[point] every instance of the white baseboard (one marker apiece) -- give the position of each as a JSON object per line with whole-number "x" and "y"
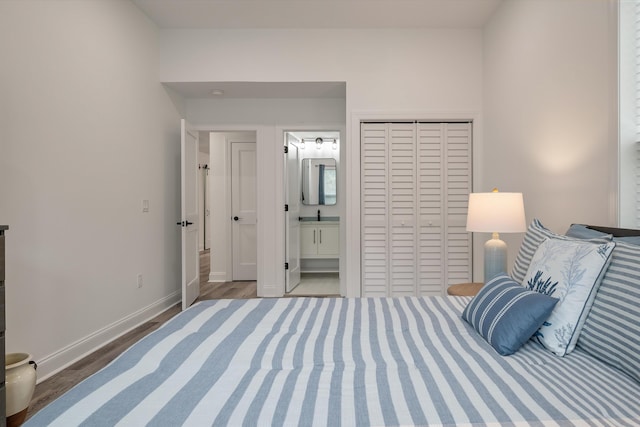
{"x": 218, "y": 276}
{"x": 271, "y": 291}
{"x": 55, "y": 362}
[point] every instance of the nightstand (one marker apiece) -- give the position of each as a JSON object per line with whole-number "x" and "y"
{"x": 464, "y": 289}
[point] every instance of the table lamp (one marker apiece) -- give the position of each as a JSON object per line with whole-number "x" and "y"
{"x": 495, "y": 213}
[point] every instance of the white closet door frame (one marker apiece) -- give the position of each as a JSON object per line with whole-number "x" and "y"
{"x": 409, "y": 266}
{"x": 353, "y": 239}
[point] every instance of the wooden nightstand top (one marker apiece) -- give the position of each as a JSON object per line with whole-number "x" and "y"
{"x": 464, "y": 289}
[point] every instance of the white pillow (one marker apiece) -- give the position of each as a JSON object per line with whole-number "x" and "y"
{"x": 570, "y": 271}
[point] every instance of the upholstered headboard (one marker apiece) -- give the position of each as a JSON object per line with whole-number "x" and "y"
{"x": 616, "y": 232}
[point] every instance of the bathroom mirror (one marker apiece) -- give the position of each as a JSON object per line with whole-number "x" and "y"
{"x": 319, "y": 181}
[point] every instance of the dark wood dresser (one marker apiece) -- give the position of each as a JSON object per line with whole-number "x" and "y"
{"x": 3, "y": 408}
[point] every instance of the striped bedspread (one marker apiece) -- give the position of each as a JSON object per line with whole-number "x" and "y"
{"x": 332, "y": 361}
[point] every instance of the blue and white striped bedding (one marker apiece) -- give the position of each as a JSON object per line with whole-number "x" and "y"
{"x": 332, "y": 361}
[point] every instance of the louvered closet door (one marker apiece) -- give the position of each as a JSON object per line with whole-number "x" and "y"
{"x": 444, "y": 177}
{"x": 458, "y": 245}
{"x": 431, "y": 228}
{"x": 416, "y": 180}
{"x": 374, "y": 204}
{"x": 402, "y": 196}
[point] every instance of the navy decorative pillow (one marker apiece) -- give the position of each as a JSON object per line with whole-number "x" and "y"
{"x": 506, "y": 314}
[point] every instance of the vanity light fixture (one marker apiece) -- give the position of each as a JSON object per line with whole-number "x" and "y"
{"x": 319, "y": 141}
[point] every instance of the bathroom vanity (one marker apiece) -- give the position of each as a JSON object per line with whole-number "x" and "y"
{"x": 319, "y": 236}
{"x": 319, "y": 245}
{"x": 320, "y": 239}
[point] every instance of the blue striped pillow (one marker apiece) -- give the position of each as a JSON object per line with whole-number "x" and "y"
{"x": 611, "y": 331}
{"x": 536, "y": 233}
{"x": 506, "y": 314}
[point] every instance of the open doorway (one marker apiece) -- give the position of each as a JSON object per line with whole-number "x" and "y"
{"x": 233, "y": 215}
{"x": 312, "y": 220}
{"x": 204, "y": 209}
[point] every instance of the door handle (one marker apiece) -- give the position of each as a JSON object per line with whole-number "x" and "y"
{"x": 184, "y": 223}
{"x": 235, "y": 218}
{"x": 320, "y": 231}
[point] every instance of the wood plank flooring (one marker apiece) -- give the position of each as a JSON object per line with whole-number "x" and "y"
{"x": 58, "y": 384}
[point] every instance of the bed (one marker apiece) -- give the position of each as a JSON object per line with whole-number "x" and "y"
{"x": 343, "y": 361}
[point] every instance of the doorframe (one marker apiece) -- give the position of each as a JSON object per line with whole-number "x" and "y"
{"x": 224, "y": 272}
{"x": 268, "y": 284}
{"x": 342, "y": 190}
{"x": 352, "y": 248}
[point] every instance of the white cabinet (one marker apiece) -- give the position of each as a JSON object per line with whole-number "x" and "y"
{"x": 319, "y": 239}
{"x": 416, "y": 180}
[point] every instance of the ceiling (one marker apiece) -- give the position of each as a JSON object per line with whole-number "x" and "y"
{"x": 278, "y": 14}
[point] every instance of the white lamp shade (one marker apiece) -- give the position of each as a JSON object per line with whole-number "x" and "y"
{"x": 496, "y": 213}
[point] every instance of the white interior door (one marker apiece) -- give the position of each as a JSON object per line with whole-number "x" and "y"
{"x": 189, "y": 215}
{"x": 243, "y": 210}
{"x": 292, "y": 224}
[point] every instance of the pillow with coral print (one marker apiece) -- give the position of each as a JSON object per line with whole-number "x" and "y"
{"x": 570, "y": 271}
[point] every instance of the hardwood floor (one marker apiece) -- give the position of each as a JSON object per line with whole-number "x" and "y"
{"x": 58, "y": 384}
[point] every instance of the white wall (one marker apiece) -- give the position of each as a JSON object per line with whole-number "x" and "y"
{"x": 399, "y": 69}
{"x": 277, "y": 111}
{"x": 549, "y": 109}
{"x": 414, "y": 72}
{"x": 86, "y": 132}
